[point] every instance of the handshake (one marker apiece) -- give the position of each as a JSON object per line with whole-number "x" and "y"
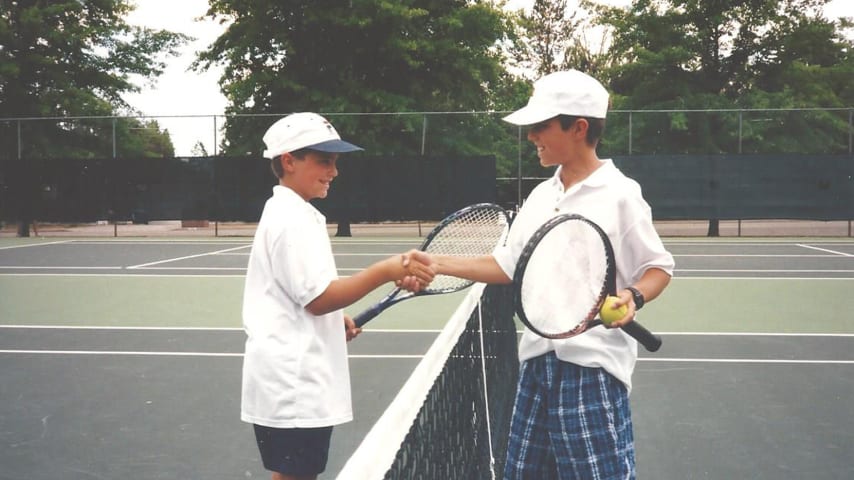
{"x": 417, "y": 271}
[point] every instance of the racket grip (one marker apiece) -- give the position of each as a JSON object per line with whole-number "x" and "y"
{"x": 649, "y": 340}
{"x": 368, "y": 315}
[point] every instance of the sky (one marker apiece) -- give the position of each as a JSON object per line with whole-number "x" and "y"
{"x": 186, "y": 102}
{"x": 180, "y": 92}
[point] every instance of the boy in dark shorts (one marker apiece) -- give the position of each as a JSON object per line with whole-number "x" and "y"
{"x": 296, "y": 382}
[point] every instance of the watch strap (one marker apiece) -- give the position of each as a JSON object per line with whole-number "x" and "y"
{"x": 637, "y": 296}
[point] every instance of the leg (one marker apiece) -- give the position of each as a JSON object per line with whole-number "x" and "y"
{"x": 281, "y": 476}
{"x": 293, "y": 453}
{"x": 594, "y": 438}
{"x": 529, "y": 452}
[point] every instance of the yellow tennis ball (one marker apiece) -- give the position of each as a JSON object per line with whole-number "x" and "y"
{"x": 608, "y": 313}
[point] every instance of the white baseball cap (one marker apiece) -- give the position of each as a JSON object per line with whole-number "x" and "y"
{"x": 563, "y": 93}
{"x": 304, "y": 130}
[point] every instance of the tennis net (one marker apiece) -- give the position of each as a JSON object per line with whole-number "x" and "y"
{"x": 451, "y": 419}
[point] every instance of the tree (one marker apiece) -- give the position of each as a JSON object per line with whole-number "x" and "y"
{"x": 372, "y": 56}
{"x": 545, "y": 35}
{"x": 71, "y": 58}
{"x": 729, "y": 54}
{"x": 550, "y": 38}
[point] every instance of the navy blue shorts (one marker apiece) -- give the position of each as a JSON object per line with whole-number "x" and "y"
{"x": 294, "y": 451}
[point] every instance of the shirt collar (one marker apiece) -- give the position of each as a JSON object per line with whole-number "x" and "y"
{"x": 286, "y": 193}
{"x": 600, "y": 177}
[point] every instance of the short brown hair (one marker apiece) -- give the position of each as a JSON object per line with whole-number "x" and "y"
{"x": 276, "y": 162}
{"x": 595, "y": 129}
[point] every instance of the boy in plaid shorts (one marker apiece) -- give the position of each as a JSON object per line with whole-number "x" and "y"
{"x": 572, "y": 418}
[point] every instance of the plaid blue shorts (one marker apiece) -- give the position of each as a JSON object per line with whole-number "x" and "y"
{"x": 569, "y": 422}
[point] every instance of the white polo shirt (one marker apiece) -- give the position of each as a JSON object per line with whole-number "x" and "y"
{"x": 615, "y": 203}
{"x": 295, "y": 370}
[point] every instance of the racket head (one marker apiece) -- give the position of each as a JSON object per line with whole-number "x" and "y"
{"x": 563, "y": 275}
{"x": 472, "y": 231}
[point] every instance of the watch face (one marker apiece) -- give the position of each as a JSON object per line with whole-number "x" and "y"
{"x": 637, "y": 297}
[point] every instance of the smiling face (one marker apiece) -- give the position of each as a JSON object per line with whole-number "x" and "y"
{"x": 561, "y": 143}
{"x": 551, "y": 142}
{"x": 310, "y": 175}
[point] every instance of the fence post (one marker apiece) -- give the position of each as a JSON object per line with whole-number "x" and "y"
{"x": 215, "y": 193}
{"x": 740, "y": 129}
{"x": 115, "y": 217}
{"x": 518, "y": 167}
{"x": 23, "y": 223}
{"x": 19, "y": 139}
{"x": 850, "y": 131}
{"x": 423, "y": 134}
{"x": 630, "y": 132}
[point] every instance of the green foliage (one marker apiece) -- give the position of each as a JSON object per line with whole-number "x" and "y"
{"x": 376, "y": 56}
{"x": 729, "y": 55}
{"x": 73, "y": 58}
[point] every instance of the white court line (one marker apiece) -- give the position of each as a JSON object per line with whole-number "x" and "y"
{"x": 132, "y": 267}
{"x": 88, "y": 267}
{"x": 95, "y": 327}
{"x": 120, "y": 353}
{"x": 34, "y": 244}
{"x": 391, "y": 330}
{"x": 236, "y": 355}
{"x": 242, "y": 269}
{"x": 383, "y": 254}
{"x": 191, "y": 329}
{"x": 119, "y": 275}
{"x": 727, "y": 255}
{"x": 757, "y": 270}
{"x": 746, "y": 361}
{"x": 834, "y": 252}
{"x": 757, "y": 334}
{"x": 160, "y": 241}
{"x": 783, "y": 243}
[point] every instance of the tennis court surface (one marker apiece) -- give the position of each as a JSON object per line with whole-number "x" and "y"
{"x": 121, "y": 358}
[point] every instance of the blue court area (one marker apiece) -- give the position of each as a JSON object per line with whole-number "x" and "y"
{"x": 122, "y": 357}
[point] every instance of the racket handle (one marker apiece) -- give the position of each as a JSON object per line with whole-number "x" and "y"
{"x": 649, "y": 340}
{"x": 368, "y": 315}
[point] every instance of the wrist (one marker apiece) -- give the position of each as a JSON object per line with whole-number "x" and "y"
{"x": 637, "y": 297}
{"x": 394, "y": 269}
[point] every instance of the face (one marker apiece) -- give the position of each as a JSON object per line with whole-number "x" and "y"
{"x": 554, "y": 144}
{"x": 311, "y": 175}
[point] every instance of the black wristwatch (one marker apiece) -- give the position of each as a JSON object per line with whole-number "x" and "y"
{"x": 637, "y": 296}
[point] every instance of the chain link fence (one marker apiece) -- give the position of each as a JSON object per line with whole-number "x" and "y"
{"x": 640, "y": 135}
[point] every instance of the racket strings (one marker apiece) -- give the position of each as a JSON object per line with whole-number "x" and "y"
{"x": 564, "y": 280}
{"x": 474, "y": 233}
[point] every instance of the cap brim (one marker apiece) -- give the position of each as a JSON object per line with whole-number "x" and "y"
{"x": 529, "y": 115}
{"x": 335, "y": 146}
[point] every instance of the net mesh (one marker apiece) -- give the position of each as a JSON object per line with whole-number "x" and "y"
{"x": 439, "y": 425}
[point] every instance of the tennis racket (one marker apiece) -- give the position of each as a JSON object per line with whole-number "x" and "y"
{"x": 562, "y": 277}
{"x": 473, "y": 231}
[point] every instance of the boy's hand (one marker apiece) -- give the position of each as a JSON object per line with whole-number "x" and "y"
{"x": 420, "y": 270}
{"x": 350, "y": 328}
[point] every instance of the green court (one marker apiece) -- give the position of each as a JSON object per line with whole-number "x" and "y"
{"x": 122, "y": 357}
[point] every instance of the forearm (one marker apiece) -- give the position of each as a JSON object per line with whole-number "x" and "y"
{"x": 652, "y": 283}
{"x": 482, "y": 269}
{"x": 346, "y": 291}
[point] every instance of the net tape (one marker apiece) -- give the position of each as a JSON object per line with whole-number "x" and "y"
{"x": 437, "y": 425}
